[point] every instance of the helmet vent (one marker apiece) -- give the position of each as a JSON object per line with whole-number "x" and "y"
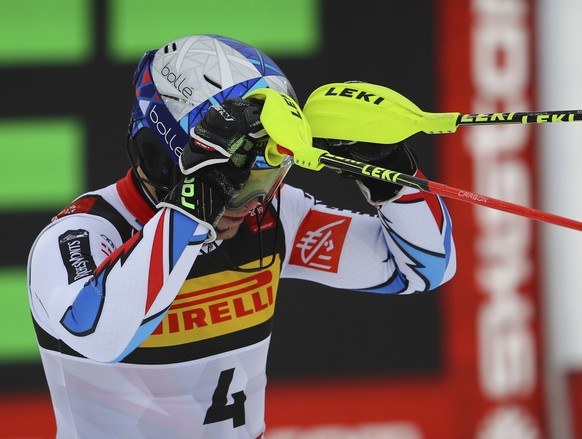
{"x": 170, "y": 48}
{"x": 210, "y": 81}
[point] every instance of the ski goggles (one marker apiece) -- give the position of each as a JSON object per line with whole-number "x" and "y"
{"x": 263, "y": 182}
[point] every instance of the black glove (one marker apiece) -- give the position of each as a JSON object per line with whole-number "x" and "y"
{"x": 220, "y": 158}
{"x": 227, "y": 132}
{"x": 197, "y": 199}
{"x": 396, "y": 157}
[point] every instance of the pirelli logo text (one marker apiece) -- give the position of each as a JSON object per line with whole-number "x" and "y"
{"x": 217, "y": 304}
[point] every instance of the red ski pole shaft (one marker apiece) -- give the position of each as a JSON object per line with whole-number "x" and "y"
{"x": 367, "y": 170}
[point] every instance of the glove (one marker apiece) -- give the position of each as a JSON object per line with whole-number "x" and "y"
{"x": 396, "y": 157}
{"x": 217, "y": 162}
{"x": 226, "y": 132}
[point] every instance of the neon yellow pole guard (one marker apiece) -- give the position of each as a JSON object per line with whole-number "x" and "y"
{"x": 287, "y": 127}
{"x": 370, "y": 113}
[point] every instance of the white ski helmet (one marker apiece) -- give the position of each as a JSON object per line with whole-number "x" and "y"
{"x": 175, "y": 86}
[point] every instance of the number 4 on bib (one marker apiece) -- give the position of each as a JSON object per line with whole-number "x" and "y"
{"x": 220, "y": 410}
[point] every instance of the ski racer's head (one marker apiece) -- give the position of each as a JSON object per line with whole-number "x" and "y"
{"x": 175, "y": 86}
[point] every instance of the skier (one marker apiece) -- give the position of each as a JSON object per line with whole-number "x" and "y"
{"x": 153, "y": 298}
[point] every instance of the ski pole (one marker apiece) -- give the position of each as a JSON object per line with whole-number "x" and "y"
{"x": 286, "y": 125}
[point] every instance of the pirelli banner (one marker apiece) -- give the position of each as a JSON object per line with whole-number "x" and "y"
{"x": 485, "y": 55}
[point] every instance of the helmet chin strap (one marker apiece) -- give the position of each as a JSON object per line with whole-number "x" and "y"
{"x": 154, "y": 190}
{"x": 142, "y": 187}
{"x": 151, "y": 190}
{"x": 266, "y": 258}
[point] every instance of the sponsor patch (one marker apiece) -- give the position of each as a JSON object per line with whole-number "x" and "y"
{"x": 107, "y": 245}
{"x": 76, "y": 254}
{"x": 218, "y": 304}
{"x": 319, "y": 241}
{"x": 265, "y": 218}
{"x": 82, "y": 205}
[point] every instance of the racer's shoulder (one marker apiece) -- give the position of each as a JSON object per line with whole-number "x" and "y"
{"x": 102, "y": 205}
{"x": 293, "y": 195}
{"x": 91, "y": 212}
{"x": 93, "y": 203}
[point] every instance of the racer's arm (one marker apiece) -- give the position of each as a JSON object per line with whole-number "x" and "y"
{"x": 408, "y": 247}
{"x": 107, "y": 314}
{"x": 112, "y": 313}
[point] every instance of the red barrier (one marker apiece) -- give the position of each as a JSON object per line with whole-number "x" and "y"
{"x": 492, "y": 307}
{"x": 422, "y": 403}
{"x": 26, "y": 416}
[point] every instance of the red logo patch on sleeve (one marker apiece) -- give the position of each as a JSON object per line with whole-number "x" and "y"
{"x": 319, "y": 241}
{"x": 82, "y": 205}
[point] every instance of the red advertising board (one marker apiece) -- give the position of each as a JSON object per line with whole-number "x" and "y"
{"x": 485, "y": 54}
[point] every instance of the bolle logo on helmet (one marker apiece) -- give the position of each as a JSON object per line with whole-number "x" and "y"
{"x": 165, "y": 132}
{"x": 177, "y": 81}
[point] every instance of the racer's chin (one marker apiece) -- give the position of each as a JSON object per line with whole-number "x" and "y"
{"x": 228, "y": 227}
{"x": 223, "y": 234}
{"x": 229, "y": 224}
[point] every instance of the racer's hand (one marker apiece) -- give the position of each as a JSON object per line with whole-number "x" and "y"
{"x": 396, "y": 157}
{"x": 217, "y": 162}
{"x": 227, "y": 132}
